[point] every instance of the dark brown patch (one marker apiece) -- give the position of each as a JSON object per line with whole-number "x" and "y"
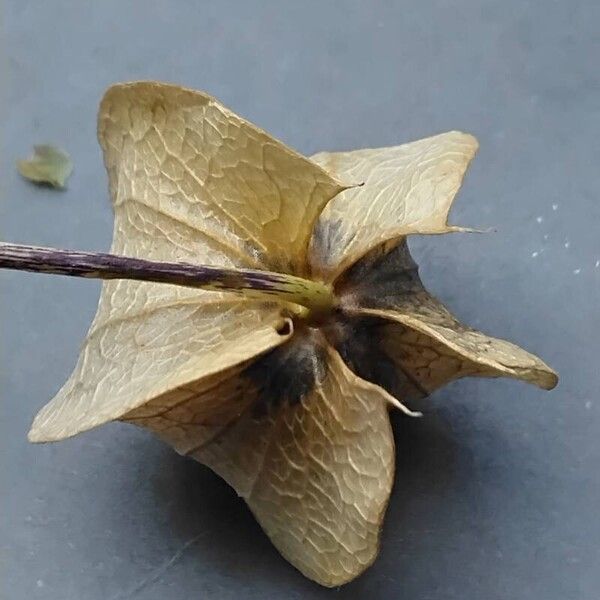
{"x": 288, "y": 373}
{"x": 381, "y": 277}
{"x": 360, "y": 342}
{"x": 285, "y": 328}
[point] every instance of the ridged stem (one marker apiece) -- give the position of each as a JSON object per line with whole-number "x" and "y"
{"x": 317, "y": 297}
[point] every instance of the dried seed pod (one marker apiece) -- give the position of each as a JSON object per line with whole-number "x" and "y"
{"x": 288, "y": 405}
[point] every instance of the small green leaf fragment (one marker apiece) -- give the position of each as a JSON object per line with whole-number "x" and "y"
{"x": 48, "y": 165}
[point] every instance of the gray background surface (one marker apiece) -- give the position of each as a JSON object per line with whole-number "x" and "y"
{"x": 498, "y": 488}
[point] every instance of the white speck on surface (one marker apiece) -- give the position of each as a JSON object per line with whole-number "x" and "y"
{"x": 576, "y": 271}
{"x": 539, "y": 219}
{"x": 534, "y": 254}
{"x": 39, "y": 583}
{"x": 567, "y": 244}
{"x": 597, "y": 264}
{"x": 554, "y": 206}
{"x": 545, "y": 236}
{"x": 588, "y": 404}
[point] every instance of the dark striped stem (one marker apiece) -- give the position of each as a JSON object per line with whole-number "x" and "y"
{"x": 317, "y": 297}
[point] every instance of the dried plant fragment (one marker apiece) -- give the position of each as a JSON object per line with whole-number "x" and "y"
{"x": 418, "y": 334}
{"x": 48, "y": 165}
{"x": 315, "y": 462}
{"x": 317, "y": 474}
{"x": 407, "y": 189}
{"x": 287, "y": 403}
